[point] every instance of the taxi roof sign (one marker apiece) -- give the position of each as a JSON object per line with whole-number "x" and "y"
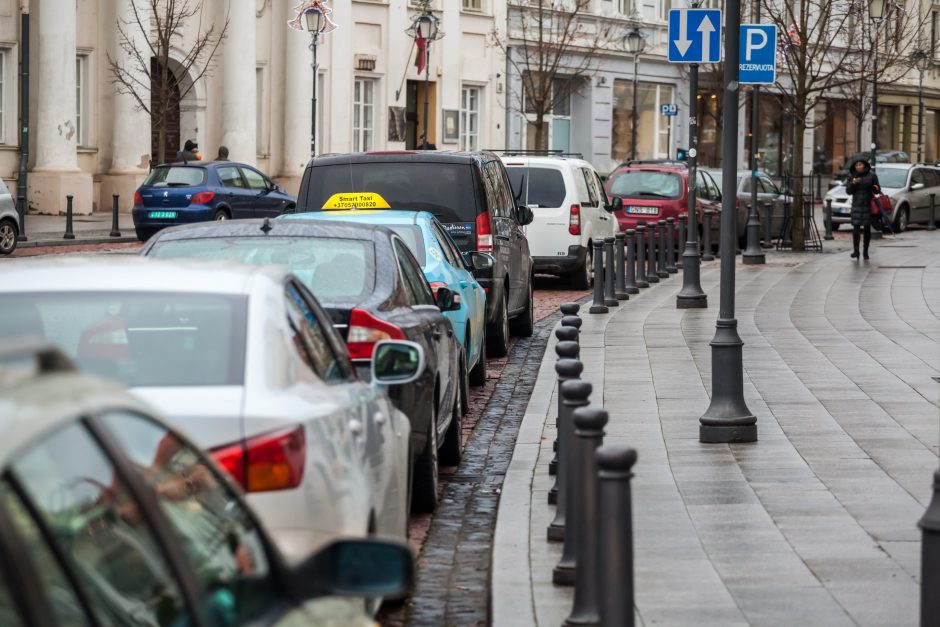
{"x": 355, "y": 200}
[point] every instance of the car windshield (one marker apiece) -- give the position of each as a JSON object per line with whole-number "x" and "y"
{"x": 537, "y": 187}
{"x": 336, "y": 270}
{"x": 444, "y": 189}
{"x": 413, "y": 237}
{"x": 892, "y": 177}
{"x": 176, "y": 176}
{"x": 646, "y": 184}
{"x": 143, "y": 339}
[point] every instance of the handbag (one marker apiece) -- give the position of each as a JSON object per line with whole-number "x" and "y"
{"x": 880, "y": 203}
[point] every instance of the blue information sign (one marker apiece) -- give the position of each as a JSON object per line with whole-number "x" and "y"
{"x": 694, "y": 36}
{"x": 757, "y": 60}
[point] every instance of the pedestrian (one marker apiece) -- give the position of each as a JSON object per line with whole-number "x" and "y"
{"x": 190, "y": 152}
{"x": 863, "y": 185}
{"x": 223, "y": 154}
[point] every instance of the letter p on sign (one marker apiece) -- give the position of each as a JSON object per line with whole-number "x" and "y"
{"x": 756, "y": 40}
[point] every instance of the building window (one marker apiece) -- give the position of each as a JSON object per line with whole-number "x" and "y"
{"x": 935, "y": 32}
{"x": 81, "y": 86}
{"x": 556, "y": 127}
{"x": 470, "y": 118}
{"x": 654, "y": 130}
{"x": 473, "y": 5}
{"x": 664, "y": 7}
{"x": 363, "y": 114}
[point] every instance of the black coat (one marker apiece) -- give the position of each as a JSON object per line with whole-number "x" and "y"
{"x": 862, "y": 193}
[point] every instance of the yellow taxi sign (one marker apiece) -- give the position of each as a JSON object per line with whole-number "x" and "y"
{"x": 357, "y": 200}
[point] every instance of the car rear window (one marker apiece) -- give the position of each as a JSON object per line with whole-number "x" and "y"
{"x": 176, "y": 176}
{"x": 143, "y": 339}
{"x": 414, "y": 238}
{"x": 444, "y": 189}
{"x": 646, "y": 184}
{"x": 537, "y": 187}
{"x": 337, "y": 271}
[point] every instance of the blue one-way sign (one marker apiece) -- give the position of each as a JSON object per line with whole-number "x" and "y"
{"x": 694, "y": 36}
{"x": 757, "y": 60}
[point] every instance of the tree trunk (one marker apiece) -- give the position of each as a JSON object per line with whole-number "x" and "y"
{"x": 799, "y": 236}
{"x": 541, "y": 141}
{"x": 161, "y": 142}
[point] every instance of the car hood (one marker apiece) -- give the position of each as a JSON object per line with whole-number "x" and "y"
{"x": 210, "y": 416}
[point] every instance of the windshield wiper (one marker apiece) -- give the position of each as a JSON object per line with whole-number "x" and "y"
{"x": 654, "y": 194}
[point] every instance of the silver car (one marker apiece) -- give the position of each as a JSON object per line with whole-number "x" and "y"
{"x": 9, "y": 221}
{"x": 908, "y": 185}
{"x": 243, "y": 360}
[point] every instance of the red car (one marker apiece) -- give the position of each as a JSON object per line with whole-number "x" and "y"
{"x": 656, "y": 190}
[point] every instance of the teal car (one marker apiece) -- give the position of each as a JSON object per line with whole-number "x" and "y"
{"x": 443, "y": 265}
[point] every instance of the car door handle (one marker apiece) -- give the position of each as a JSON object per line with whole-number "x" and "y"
{"x": 436, "y": 335}
{"x": 379, "y": 418}
{"x": 463, "y": 284}
{"x": 355, "y": 427}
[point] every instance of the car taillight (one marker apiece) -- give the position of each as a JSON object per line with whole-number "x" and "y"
{"x": 574, "y": 220}
{"x": 138, "y": 199}
{"x": 484, "y": 233}
{"x": 267, "y": 462}
{"x": 365, "y": 330}
{"x": 202, "y": 198}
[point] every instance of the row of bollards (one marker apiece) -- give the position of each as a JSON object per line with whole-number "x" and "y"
{"x": 115, "y": 230}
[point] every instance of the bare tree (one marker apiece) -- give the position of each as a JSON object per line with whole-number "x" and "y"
{"x": 552, "y": 45}
{"x": 143, "y": 70}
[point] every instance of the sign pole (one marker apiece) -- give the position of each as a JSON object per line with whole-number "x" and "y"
{"x": 691, "y": 295}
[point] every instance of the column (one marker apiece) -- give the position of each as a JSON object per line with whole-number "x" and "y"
{"x": 238, "y": 81}
{"x": 298, "y": 90}
{"x": 55, "y": 173}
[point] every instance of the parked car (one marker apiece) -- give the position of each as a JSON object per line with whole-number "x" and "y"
{"x": 183, "y": 193}
{"x": 108, "y": 515}
{"x": 881, "y": 156}
{"x": 768, "y": 196}
{"x": 247, "y": 363}
{"x": 570, "y": 210}
{"x": 656, "y": 190}
{"x": 374, "y": 290}
{"x": 444, "y": 266}
{"x": 908, "y": 185}
{"x": 9, "y": 221}
{"x": 469, "y": 193}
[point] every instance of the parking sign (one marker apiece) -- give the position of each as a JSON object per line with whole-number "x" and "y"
{"x": 757, "y": 60}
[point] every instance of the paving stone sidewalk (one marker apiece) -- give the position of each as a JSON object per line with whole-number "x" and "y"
{"x": 816, "y": 523}
{"x": 48, "y": 230}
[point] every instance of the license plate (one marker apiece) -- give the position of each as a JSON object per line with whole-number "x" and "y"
{"x": 647, "y": 211}
{"x": 163, "y": 215}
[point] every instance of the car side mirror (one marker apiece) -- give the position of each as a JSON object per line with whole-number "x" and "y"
{"x": 524, "y": 215}
{"x": 357, "y": 568}
{"x": 615, "y": 205}
{"x": 917, "y": 186}
{"x": 396, "y": 362}
{"x": 447, "y": 299}
{"x": 480, "y": 264}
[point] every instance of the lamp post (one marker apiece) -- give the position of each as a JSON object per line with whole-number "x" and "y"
{"x": 635, "y": 44}
{"x": 427, "y": 25}
{"x": 921, "y": 62}
{"x": 876, "y": 11}
{"x": 314, "y": 21}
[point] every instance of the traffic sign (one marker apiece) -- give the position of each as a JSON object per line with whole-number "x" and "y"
{"x": 694, "y": 35}
{"x": 670, "y": 109}
{"x": 757, "y": 60}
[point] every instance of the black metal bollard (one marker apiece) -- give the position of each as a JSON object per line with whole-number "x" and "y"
{"x": 615, "y": 535}
{"x": 707, "y": 238}
{"x": 610, "y": 297}
{"x": 932, "y": 217}
{"x": 567, "y": 369}
{"x": 620, "y": 286}
{"x": 651, "y": 274}
{"x": 589, "y": 423}
{"x": 569, "y": 321}
{"x": 68, "y": 219}
{"x": 670, "y": 246}
{"x": 598, "y": 305}
{"x": 565, "y": 349}
{"x": 768, "y": 231}
{"x": 569, "y": 309}
{"x": 574, "y": 394}
{"x": 681, "y": 224}
{"x": 661, "y": 271}
{"x": 115, "y": 231}
{"x": 930, "y": 559}
{"x": 641, "y": 255}
{"x": 828, "y": 220}
{"x": 630, "y": 286}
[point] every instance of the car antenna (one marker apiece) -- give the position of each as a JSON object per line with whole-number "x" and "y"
{"x": 266, "y": 226}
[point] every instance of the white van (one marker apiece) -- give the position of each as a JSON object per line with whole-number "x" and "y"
{"x": 571, "y": 211}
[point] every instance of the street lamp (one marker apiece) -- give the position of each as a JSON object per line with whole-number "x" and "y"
{"x": 921, "y": 60}
{"x": 315, "y": 22}
{"x": 876, "y": 11}
{"x": 426, "y": 26}
{"x": 635, "y": 44}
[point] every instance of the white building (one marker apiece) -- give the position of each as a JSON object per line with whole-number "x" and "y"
{"x": 91, "y": 142}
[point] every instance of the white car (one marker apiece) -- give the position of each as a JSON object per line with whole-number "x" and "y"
{"x": 908, "y": 185}
{"x": 244, "y": 361}
{"x": 9, "y": 221}
{"x": 571, "y": 212}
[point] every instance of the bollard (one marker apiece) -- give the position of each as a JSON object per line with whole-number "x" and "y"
{"x": 570, "y": 309}
{"x": 598, "y": 305}
{"x": 566, "y": 350}
{"x": 931, "y": 218}
{"x": 681, "y": 223}
{"x": 570, "y": 320}
{"x": 707, "y": 239}
{"x": 615, "y": 535}
{"x": 768, "y": 231}
{"x": 567, "y": 369}
{"x": 589, "y": 423}
{"x": 641, "y": 256}
{"x": 610, "y": 298}
{"x": 828, "y": 220}
{"x": 115, "y": 231}
{"x": 661, "y": 271}
{"x": 68, "y": 219}
{"x": 651, "y": 275}
{"x": 670, "y": 246}
{"x": 620, "y": 286}
{"x": 573, "y": 394}
{"x": 630, "y": 286}
{"x": 930, "y": 559}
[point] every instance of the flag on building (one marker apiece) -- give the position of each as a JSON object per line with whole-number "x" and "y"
{"x": 422, "y": 44}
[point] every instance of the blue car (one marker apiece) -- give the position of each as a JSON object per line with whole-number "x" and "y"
{"x": 443, "y": 266}
{"x": 183, "y": 193}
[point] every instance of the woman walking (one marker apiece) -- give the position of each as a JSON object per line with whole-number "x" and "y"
{"x": 863, "y": 185}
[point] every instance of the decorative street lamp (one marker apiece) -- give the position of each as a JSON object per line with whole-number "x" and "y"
{"x": 876, "y": 11}
{"x": 921, "y": 59}
{"x": 314, "y": 17}
{"x": 635, "y": 44}
{"x": 425, "y": 28}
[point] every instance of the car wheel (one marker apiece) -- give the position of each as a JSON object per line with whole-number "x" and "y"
{"x": 143, "y": 234}
{"x": 478, "y": 372}
{"x": 7, "y": 237}
{"x": 901, "y": 220}
{"x": 450, "y": 448}
{"x": 220, "y": 215}
{"x": 581, "y": 278}
{"x": 524, "y": 323}
{"x": 497, "y": 335}
{"x": 424, "y": 486}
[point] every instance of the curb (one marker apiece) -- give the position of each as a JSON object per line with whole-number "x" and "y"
{"x": 78, "y": 241}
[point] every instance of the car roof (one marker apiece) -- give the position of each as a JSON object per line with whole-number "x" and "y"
{"x": 556, "y": 160}
{"x": 289, "y": 225}
{"x": 404, "y": 156}
{"x": 653, "y": 167}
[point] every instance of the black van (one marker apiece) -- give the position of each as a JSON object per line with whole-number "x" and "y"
{"x": 470, "y": 194}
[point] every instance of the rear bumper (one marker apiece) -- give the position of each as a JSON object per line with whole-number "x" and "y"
{"x": 184, "y": 215}
{"x": 562, "y": 264}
